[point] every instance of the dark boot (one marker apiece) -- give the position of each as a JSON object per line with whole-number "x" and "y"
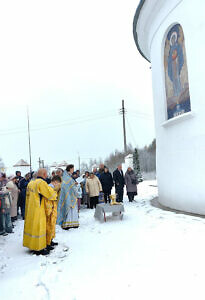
{"x": 49, "y": 247}
{"x": 4, "y": 234}
{"x": 54, "y": 243}
{"x": 42, "y": 252}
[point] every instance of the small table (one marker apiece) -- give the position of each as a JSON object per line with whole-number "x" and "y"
{"x": 103, "y": 208}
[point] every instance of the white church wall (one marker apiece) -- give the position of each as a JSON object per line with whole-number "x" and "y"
{"x": 181, "y": 140}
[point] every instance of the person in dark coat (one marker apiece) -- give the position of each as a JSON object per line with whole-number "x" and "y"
{"x": 101, "y": 168}
{"x": 96, "y": 173}
{"x": 131, "y": 184}
{"x": 107, "y": 184}
{"x": 23, "y": 186}
{"x": 118, "y": 178}
{"x": 18, "y": 179}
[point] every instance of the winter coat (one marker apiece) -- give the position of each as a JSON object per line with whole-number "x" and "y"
{"x": 83, "y": 184}
{"x": 119, "y": 180}
{"x": 131, "y": 182}
{"x": 14, "y": 195}
{"x": 22, "y": 186}
{"x": 93, "y": 186}
{"x": 97, "y": 174}
{"x": 3, "y": 183}
{"x": 106, "y": 181}
{"x": 18, "y": 180}
{"x": 5, "y": 201}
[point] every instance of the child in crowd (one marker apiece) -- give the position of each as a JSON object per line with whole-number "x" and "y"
{"x": 51, "y": 213}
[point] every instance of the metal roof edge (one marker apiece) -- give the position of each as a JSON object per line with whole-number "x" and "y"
{"x": 136, "y": 17}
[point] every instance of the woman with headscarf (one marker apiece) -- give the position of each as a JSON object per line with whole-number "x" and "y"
{"x": 131, "y": 184}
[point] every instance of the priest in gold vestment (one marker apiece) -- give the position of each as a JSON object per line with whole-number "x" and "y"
{"x": 38, "y": 191}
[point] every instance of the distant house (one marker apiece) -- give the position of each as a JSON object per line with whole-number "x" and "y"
{"x": 128, "y": 162}
{"x": 22, "y": 165}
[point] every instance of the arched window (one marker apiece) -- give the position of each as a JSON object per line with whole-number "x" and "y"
{"x": 176, "y": 73}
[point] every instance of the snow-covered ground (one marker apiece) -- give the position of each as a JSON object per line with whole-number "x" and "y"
{"x": 150, "y": 254}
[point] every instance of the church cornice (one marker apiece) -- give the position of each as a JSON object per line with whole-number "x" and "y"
{"x": 149, "y": 16}
{"x": 137, "y": 13}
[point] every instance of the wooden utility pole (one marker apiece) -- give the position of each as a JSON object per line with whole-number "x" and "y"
{"x": 39, "y": 162}
{"x": 78, "y": 161}
{"x": 29, "y": 139}
{"x": 123, "y": 112}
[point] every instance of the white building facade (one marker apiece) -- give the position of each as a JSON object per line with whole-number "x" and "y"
{"x": 171, "y": 35}
{"x": 128, "y": 163}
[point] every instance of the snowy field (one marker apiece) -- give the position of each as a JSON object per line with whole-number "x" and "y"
{"x": 150, "y": 254}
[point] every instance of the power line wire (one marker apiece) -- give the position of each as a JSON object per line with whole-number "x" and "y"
{"x": 105, "y": 113}
{"x": 131, "y": 132}
{"x": 146, "y": 117}
{"x": 139, "y": 112}
{"x": 61, "y": 125}
{"x": 82, "y": 119}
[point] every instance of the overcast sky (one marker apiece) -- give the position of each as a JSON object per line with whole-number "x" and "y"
{"x": 72, "y": 62}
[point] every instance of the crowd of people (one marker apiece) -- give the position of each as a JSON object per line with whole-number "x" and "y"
{"x": 43, "y": 201}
